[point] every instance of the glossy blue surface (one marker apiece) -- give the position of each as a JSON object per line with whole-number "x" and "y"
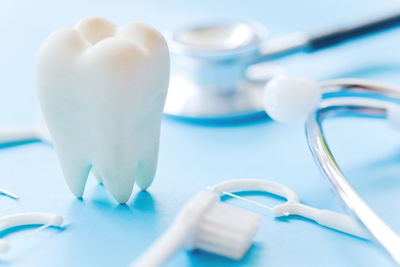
{"x": 192, "y": 156}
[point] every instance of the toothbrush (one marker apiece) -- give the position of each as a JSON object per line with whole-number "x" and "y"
{"x": 207, "y": 224}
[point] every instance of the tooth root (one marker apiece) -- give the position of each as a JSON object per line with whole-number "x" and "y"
{"x": 119, "y": 177}
{"x": 96, "y": 175}
{"x": 119, "y": 185}
{"x": 76, "y": 171}
{"x": 147, "y": 168}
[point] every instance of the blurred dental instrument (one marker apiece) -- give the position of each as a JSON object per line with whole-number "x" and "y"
{"x": 9, "y": 194}
{"x": 214, "y": 64}
{"x": 288, "y": 98}
{"x": 31, "y": 218}
{"x": 23, "y": 134}
{"x": 207, "y": 224}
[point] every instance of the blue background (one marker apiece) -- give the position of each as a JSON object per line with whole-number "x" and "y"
{"x": 193, "y": 156}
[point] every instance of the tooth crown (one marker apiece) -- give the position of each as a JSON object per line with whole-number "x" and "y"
{"x": 102, "y": 90}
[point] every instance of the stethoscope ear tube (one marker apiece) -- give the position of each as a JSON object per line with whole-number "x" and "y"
{"x": 339, "y": 36}
{"x": 330, "y": 169}
{"x": 300, "y": 42}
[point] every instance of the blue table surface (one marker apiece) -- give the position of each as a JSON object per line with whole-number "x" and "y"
{"x": 193, "y": 156}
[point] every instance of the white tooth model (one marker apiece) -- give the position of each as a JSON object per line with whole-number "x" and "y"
{"x": 102, "y": 90}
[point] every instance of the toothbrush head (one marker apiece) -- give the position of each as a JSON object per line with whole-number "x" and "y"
{"x": 207, "y": 224}
{"x": 220, "y": 228}
{"x": 227, "y": 230}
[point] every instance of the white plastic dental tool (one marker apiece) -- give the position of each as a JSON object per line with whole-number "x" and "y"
{"x": 292, "y": 206}
{"x": 23, "y": 134}
{"x": 102, "y": 90}
{"x": 204, "y": 223}
{"x": 22, "y": 219}
{"x": 9, "y": 194}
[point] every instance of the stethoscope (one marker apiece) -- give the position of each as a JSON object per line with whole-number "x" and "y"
{"x": 214, "y": 65}
{"x": 290, "y": 98}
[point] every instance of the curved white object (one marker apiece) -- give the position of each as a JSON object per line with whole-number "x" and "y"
{"x": 32, "y": 218}
{"x": 328, "y": 218}
{"x": 38, "y": 131}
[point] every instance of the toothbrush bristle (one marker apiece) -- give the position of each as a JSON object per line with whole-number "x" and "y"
{"x": 227, "y": 230}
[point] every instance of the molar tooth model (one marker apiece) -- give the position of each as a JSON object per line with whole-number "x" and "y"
{"x": 102, "y": 90}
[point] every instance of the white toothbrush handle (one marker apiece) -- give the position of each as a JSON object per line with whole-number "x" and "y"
{"x": 165, "y": 247}
{"x": 340, "y": 222}
{"x": 10, "y": 135}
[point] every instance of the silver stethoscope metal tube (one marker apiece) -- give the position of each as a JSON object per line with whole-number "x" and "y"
{"x": 356, "y": 106}
{"x": 212, "y": 64}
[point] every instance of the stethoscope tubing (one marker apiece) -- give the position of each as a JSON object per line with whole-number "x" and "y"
{"x": 303, "y": 43}
{"x": 372, "y": 108}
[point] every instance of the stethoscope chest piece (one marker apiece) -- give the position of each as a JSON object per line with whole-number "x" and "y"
{"x": 212, "y": 62}
{"x": 209, "y": 71}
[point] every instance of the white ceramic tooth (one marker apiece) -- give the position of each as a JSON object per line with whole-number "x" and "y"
{"x": 102, "y": 91}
